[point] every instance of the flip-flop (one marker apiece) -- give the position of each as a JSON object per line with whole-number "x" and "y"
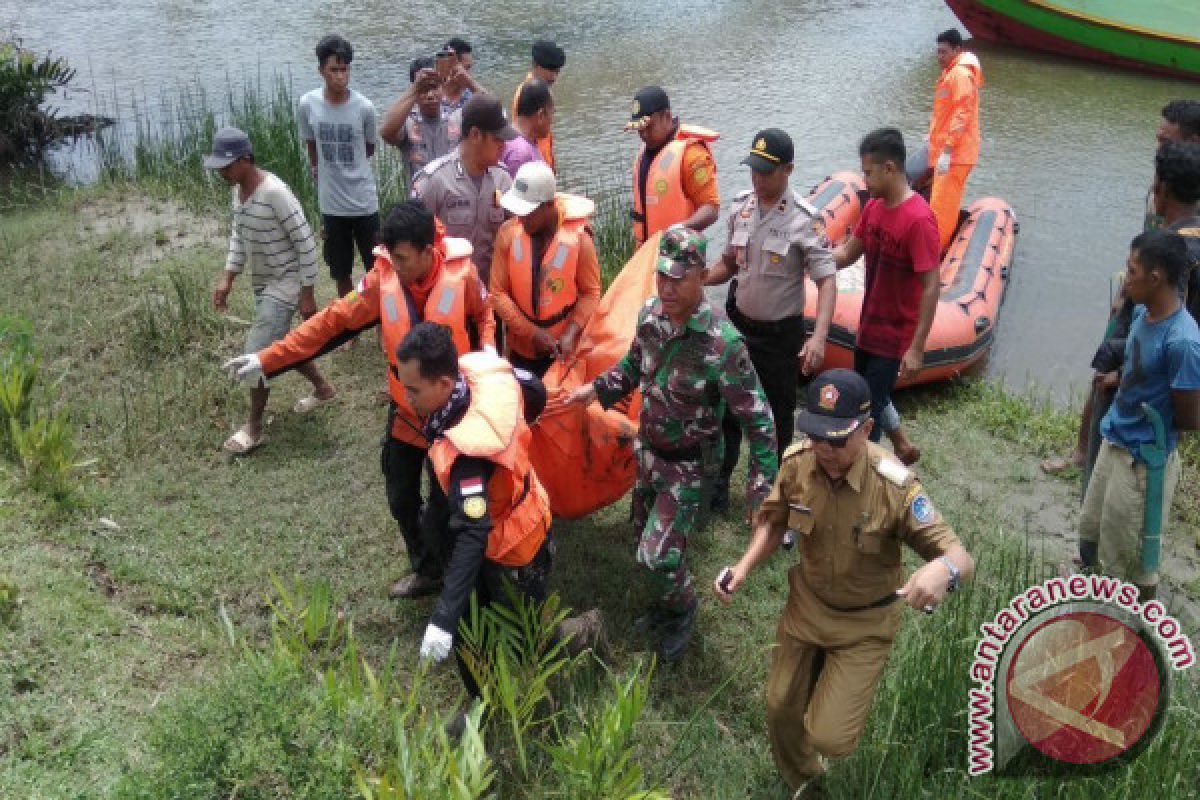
{"x": 311, "y": 403}
{"x": 1057, "y": 464}
{"x": 241, "y": 442}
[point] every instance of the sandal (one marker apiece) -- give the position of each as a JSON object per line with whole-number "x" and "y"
{"x": 1057, "y": 464}
{"x": 311, "y": 403}
{"x": 241, "y": 442}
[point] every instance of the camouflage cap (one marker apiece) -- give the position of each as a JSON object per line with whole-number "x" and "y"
{"x": 679, "y": 250}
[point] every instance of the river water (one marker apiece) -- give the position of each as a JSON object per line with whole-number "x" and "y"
{"x": 1069, "y": 144}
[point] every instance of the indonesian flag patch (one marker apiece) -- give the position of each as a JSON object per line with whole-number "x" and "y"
{"x": 471, "y": 486}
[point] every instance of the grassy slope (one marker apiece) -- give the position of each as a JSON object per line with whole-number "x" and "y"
{"x": 116, "y": 621}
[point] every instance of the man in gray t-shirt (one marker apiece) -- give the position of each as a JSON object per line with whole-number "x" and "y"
{"x": 338, "y": 126}
{"x": 416, "y": 123}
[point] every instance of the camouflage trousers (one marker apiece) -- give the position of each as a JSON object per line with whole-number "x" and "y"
{"x": 669, "y": 502}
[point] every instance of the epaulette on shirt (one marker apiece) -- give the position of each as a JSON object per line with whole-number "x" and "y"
{"x": 433, "y": 166}
{"x": 797, "y": 447}
{"x": 893, "y": 470}
{"x": 742, "y": 195}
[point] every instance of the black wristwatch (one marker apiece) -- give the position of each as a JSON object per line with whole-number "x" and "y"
{"x": 954, "y": 573}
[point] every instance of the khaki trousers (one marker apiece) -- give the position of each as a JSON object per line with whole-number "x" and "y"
{"x": 824, "y": 672}
{"x": 1114, "y": 509}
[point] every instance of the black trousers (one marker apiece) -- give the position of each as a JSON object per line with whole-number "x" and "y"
{"x": 775, "y": 359}
{"x": 402, "y": 464}
{"x": 342, "y": 236}
{"x": 881, "y": 373}
{"x": 529, "y": 581}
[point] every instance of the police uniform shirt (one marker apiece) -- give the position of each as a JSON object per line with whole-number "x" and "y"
{"x": 424, "y": 140}
{"x": 772, "y": 249}
{"x": 469, "y": 210}
{"x": 850, "y": 531}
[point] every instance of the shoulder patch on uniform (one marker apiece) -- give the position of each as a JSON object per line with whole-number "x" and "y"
{"x": 921, "y": 506}
{"x": 893, "y": 470}
{"x": 701, "y": 175}
{"x": 469, "y": 486}
{"x": 475, "y": 506}
{"x": 797, "y": 447}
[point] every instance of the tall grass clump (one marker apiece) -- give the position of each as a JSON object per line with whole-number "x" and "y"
{"x": 162, "y": 145}
{"x": 175, "y": 319}
{"x": 611, "y": 226}
{"x": 310, "y": 716}
{"x": 33, "y": 434}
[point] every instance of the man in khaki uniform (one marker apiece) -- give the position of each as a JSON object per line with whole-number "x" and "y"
{"x": 463, "y": 188}
{"x": 852, "y": 504}
{"x": 774, "y": 240}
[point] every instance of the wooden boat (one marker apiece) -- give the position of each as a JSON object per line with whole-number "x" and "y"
{"x": 974, "y": 275}
{"x": 1160, "y": 36}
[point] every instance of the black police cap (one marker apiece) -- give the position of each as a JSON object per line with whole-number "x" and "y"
{"x": 771, "y": 148}
{"x": 839, "y": 402}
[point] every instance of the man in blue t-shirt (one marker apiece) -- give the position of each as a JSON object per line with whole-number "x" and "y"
{"x": 1162, "y": 369}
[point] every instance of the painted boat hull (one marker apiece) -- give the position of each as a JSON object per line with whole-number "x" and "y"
{"x": 1127, "y": 36}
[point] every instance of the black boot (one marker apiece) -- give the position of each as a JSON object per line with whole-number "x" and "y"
{"x": 677, "y": 632}
{"x": 719, "y": 501}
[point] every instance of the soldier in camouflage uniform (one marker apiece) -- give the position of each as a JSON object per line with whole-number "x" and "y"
{"x": 690, "y": 364}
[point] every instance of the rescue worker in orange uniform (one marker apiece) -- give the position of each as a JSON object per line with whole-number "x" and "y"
{"x": 419, "y": 275}
{"x": 487, "y": 503}
{"x": 545, "y": 280}
{"x": 674, "y": 174}
{"x": 548, "y": 61}
{"x": 953, "y": 130}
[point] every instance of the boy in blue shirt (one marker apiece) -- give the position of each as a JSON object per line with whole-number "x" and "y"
{"x": 1161, "y": 368}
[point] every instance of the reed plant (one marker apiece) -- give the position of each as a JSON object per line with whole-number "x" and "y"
{"x": 34, "y": 433}
{"x": 310, "y": 716}
{"x": 162, "y": 144}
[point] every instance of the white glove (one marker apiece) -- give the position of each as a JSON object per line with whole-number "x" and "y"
{"x": 247, "y": 368}
{"x": 487, "y": 348}
{"x": 943, "y": 165}
{"x": 436, "y": 644}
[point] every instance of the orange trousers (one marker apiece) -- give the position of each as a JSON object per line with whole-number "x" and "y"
{"x": 946, "y": 200}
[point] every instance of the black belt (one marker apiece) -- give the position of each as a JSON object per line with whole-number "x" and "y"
{"x": 693, "y": 453}
{"x": 549, "y": 322}
{"x": 756, "y": 327}
{"x": 886, "y": 600}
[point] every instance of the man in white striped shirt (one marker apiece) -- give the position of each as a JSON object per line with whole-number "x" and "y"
{"x": 271, "y": 237}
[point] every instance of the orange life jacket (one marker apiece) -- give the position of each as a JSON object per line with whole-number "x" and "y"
{"x": 446, "y": 305}
{"x": 666, "y": 202}
{"x": 557, "y": 289}
{"x": 494, "y": 428}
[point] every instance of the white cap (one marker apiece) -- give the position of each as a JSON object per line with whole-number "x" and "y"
{"x": 532, "y": 186}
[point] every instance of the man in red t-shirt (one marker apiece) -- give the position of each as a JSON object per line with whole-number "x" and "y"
{"x": 898, "y": 234}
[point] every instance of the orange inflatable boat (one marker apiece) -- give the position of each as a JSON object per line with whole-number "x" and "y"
{"x": 584, "y": 457}
{"x": 974, "y": 276}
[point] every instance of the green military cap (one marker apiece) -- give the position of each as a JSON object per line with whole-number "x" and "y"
{"x": 679, "y": 250}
